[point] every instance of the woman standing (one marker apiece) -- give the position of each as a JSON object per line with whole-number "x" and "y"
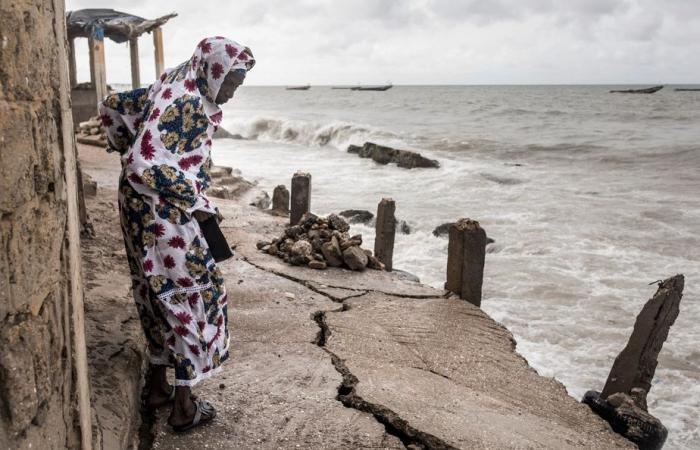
{"x": 164, "y": 135}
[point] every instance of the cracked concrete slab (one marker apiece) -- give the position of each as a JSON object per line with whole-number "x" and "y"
{"x": 447, "y": 369}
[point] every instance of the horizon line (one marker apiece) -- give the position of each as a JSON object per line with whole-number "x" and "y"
{"x": 459, "y": 84}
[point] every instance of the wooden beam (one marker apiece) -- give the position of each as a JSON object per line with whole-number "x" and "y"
{"x": 135, "y": 70}
{"x": 72, "y": 71}
{"x": 158, "y": 48}
{"x": 98, "y": 74}
{"x": 77, "y": 320}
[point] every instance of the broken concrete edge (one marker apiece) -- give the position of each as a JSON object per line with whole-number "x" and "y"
{"x": 628, "y": 420}
{"x": 311, "y": 285}
{"x": 466, "y": 224}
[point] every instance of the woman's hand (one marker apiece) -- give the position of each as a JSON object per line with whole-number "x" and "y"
{"x": 201, "y": 216}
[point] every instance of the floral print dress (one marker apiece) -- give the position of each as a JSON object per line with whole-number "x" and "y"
{"x": 163, "y": 134}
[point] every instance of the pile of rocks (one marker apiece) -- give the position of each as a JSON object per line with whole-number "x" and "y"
{"x": 320, "y": 242}
{"x": 90, "y": 132}
{"x": 90, "y": 127}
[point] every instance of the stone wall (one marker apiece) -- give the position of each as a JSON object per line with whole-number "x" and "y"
{"x": 42, "y": 357}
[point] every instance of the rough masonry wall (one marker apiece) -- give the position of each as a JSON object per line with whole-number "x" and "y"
{"x": 37, "y": 400}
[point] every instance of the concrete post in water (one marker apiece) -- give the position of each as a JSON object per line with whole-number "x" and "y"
{"x": 135, "y": 69}
{"x": 634, "y": 367}
{"x": 623, "y": 402}
{"x": 301, "y": 196}
{"x": 466, "y": 253}
{"x": 280, "y": 199}
{"x": 158, "y": 50}
{"x": 385, "y": 232}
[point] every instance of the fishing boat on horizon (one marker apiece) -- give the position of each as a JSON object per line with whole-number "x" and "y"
{"x": 650, "y": 90}
{"x": 385, "y": 87}
{"x": 298, "y": 88}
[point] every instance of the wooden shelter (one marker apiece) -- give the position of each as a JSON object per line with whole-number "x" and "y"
{"x": 96, "y": 25}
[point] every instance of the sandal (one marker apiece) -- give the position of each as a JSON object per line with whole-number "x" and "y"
{"x": 204, "y": 412}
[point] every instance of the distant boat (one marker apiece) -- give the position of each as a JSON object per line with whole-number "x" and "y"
{"x": 687, "y": 89}
{"x": 386, "y": 87}
{"x": 298, "y": 88}
{"x": 650, "y": 90}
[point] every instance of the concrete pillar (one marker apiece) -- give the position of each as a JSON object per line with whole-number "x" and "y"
{"x": 72, "y": 70}
{"x": 634, "y": 367}
{"x": 301, "y": 196}
{"x": 466, "y": 253}
{"x": 98, "y": 74}
{"x": 158, "y": 49}
{"x": 385, "y": 232}
{"x": 280, "y": 199}
{"x": 135, "y": 70}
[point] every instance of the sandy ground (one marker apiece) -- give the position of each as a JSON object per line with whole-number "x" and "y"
{"x": 329, "y": 359}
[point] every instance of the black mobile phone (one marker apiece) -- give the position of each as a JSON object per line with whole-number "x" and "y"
{"x": 218, "y": 246}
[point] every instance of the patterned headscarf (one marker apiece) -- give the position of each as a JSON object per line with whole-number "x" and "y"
{"x": 206, "y": 69}
{"x": 164, "y": 132}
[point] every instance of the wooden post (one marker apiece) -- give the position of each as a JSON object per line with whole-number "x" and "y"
{"x": 280, "y": 199}
{"x": 72, "y": 71}
{"x": 385, "y": 232}
{"x": 466, "y": 253}
{"x": 301, "y": 196}
{"x": 158, "y": 48}
{"x": 77, "y": 321}
{"x": 135, "y": 70}
{"x": 98, "y": 74}
{"x": 634, "y": 367}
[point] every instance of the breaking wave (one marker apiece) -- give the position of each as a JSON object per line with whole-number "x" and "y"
{"x": 337, "y": 134}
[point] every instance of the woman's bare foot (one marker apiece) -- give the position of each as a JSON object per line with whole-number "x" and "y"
{"x": 183, "y": 408}
{"x": 159, "y": 391}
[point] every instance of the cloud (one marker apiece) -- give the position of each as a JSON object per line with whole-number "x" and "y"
{"x": 432, "y": 41}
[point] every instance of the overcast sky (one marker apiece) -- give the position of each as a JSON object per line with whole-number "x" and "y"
{"x": 427, "y": 41}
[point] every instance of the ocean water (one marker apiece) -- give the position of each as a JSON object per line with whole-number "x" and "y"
{"x": 590, "y": 197}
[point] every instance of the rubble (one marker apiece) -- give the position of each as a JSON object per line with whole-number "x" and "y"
{"x": 319, "y": 242}
{"x": 90, "y": 132}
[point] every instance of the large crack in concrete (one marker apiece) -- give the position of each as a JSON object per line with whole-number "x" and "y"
{"x": 395, "y": 425}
